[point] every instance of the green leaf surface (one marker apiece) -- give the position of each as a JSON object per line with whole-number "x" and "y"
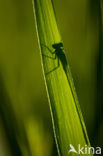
{"x": 68, "y": 124}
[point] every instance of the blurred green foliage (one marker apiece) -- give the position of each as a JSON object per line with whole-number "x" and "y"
{"x": 24, "y": 108}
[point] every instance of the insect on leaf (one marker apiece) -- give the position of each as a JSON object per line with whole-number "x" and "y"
{"x": 68, "y": 124}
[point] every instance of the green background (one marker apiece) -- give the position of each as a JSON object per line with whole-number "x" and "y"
{"x": 24, "y": 109}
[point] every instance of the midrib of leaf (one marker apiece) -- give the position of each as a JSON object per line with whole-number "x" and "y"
{"x": 68, "y": 124}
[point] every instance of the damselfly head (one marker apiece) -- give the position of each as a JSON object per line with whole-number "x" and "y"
{"x": 57, "y": 45}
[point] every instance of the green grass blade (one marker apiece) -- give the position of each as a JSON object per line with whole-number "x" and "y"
{"x": 67, "y": 119}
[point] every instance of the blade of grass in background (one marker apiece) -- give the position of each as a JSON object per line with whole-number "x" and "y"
{"x": 68, "y": 124}
{"x": 99, "y": 95}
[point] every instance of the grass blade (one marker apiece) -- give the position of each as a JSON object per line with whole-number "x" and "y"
{"x": 67, "y": 119}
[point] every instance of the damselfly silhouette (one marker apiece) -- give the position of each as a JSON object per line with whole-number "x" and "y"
{"x": 59, "y": 55}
